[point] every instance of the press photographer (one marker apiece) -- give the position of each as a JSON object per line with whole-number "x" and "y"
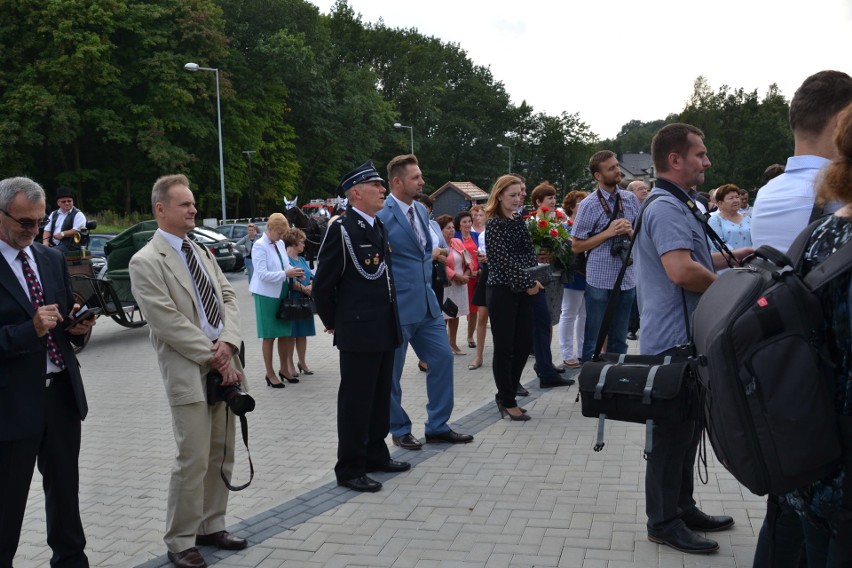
{"x": 603, "y": 227}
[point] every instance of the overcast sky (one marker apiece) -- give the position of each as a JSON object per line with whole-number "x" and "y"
{"x": 615, "y": 61}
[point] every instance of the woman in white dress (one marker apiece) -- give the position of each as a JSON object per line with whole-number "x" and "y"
{"x": 458, "y": 273}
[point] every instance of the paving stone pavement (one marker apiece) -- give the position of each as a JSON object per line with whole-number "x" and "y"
{"x": 523, "y": 494}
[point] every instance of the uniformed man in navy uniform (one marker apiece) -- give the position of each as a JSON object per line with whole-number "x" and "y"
{"x": 356, "y": 302}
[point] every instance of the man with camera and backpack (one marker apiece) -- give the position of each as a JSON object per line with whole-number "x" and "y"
{"x": 674, "y": 266}
{"x": 192, "y": 312}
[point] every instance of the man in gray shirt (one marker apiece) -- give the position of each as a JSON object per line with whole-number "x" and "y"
{"x": 674, "y": 266}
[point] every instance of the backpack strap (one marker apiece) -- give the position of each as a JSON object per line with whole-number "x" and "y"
{"x": 831, "y": 268}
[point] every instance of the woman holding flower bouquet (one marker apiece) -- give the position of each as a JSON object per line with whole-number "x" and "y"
{"x": 509, "y": 291}
{"x": 551, "y": 243}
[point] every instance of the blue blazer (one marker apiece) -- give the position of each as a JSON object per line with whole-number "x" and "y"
{"x": 412, "y": 267}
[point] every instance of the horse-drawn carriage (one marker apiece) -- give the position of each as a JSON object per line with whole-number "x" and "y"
{"x": 110, "y": 289}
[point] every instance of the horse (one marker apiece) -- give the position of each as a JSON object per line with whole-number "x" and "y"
{"x": 314, "y": 227}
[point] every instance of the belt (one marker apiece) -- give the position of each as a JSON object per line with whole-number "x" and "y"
{"x": 50, "y": 377}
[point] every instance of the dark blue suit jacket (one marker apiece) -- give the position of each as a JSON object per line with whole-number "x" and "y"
{"x": 23, "y": 355}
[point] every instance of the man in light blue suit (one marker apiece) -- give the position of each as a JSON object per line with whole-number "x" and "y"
{"x": 420, "y": 316}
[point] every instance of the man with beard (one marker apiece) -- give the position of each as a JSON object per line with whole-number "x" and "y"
{"x": 419, "y": 313}
{"x": 603, "y": 227}
{"x": 674, "y": 266}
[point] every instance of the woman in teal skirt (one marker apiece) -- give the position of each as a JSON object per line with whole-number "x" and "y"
{"x": 300, "y": 329}
{"x": 269, "y": 284}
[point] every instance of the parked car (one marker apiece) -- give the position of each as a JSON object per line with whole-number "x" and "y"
{"x": 96, "y": 250}
{"x": 236, "y": 231}
{"x": 221, "y": 248}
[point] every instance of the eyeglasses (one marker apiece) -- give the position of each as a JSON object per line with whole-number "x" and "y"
{"x": 25, "y": 223}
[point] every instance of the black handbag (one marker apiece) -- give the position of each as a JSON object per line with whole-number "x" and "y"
{"x": 450, "y": 308}
{"x": 296, "y": 306}
{"x": 649, "y": 389}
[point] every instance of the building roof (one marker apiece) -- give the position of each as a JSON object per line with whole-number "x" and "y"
{"x": 470, "y": 191}
{"x": 636, "y": 164}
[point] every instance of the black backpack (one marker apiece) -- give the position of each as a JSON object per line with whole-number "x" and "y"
{"x": 764, "y": 369}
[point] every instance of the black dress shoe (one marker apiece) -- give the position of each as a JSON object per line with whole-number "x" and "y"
{"x": 407, "y": 442}
{"x": 189, "y": 558}
{"x": 522, "y": 391}
{"x": 558, "y": 382}
{"x": 700, "y": 521}
{"x": 449, "y": 437}
{"x": 683, "y": 539}
{"x": 222, "y": 540}
{"x": 632, "y": 336}
{"x": 390, "y": 466}
{"x": 363, "y": 484}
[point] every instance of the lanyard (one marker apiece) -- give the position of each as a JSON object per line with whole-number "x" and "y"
{"x": 619, "y": 206}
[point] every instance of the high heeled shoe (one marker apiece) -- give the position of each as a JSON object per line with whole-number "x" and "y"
{"x": 274, "y": 385}
{"x": 523, "y": 417}
{"x": 304, "y": 370}
{"x": 286, "y": 378}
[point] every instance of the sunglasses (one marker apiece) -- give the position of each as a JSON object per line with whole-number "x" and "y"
{"x": 25, "y": 223}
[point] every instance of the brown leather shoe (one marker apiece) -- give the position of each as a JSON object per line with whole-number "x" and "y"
{"x": 189, "y": 558}
{"x": 222, "y": 539}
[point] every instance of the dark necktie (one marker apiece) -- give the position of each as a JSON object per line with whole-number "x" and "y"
{"x": 205, "y": 289}
{"x": 414, "y": 226}
{"x": 37, "y": 299}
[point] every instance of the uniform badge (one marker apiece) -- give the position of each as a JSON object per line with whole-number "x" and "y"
{"x": 361, "y": 224}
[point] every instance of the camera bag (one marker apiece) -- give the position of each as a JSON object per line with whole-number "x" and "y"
{"x": 765, "y": 371}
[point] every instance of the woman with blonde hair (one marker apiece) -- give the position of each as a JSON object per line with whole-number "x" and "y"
{"x": 269, "y": 284}
{"x": 509, "y": 291}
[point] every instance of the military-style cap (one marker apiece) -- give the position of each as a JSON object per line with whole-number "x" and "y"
{"x": 364, "y": 173}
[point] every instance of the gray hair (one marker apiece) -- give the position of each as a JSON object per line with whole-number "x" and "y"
{"x": 11, "y": 187}
{"x": 160, "y": 192}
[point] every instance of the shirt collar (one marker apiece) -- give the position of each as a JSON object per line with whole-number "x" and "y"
{"x": 805, "y": 162}
{"x": 11, "y": 254}
{"x": 174, "y": 241}
{"x": 371, "y": 220}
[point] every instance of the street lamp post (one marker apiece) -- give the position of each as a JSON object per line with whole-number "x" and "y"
{"x": 411, "y": 131}
{"x": 509, "y": 148}
{"x": 195, "y": 67}
{"x": 251, "y": 184}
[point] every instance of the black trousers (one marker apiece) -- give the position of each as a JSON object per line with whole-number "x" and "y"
{"x": 669, "y": 477}
{"x": 511, "y": 331}
{"x": 56, "y": 451}
{"x": 363, "y": 412}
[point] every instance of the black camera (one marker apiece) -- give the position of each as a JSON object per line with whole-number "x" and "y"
{"x": 620, "y": 249}
{"x": 238, "y": 401}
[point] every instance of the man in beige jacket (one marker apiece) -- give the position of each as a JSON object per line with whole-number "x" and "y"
{"x": 192, "y": 312}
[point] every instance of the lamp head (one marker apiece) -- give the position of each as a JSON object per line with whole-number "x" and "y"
{"x": 397, "y": 125}
{"x": 191, "y": 66}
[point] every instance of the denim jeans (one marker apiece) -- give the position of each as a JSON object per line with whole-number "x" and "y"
{"x": 596, "y": 300}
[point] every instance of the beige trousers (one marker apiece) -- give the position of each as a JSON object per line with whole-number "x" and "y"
{"x": 198, "y": 497}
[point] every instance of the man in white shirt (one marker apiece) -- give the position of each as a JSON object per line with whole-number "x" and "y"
{"x": 784, "y": 206}
{"x": 64, "y": 223}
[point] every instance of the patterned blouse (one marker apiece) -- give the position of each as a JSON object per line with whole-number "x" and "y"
{"x": 819, "y": 501}
{"x": 510, "y": 250}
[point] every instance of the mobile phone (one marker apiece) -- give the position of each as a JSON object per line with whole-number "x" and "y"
{"x": 82, "y": 314}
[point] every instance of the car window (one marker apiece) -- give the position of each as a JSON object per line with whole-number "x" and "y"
{"x": 96, "y": 244}
{"x": 225, "y": 230}
{"x": 239, "y": 231}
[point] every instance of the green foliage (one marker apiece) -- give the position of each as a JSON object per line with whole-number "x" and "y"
{"x": 94, "y": 95}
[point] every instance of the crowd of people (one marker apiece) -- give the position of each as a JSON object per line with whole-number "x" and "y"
{"x": 390, "y": 277}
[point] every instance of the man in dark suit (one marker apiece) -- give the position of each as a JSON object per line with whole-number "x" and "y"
{"x": 419, "y": 313}
{"x": 42, "y": 402}
{"x": 356, "y": 302}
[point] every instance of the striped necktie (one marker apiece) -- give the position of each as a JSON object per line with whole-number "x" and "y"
{"x": 37, "y": 299}
{"x": 414, "y": 227}
{"x": 205, "y": 289}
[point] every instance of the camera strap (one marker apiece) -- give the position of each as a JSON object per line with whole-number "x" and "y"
{"x": 244, "y": 431}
